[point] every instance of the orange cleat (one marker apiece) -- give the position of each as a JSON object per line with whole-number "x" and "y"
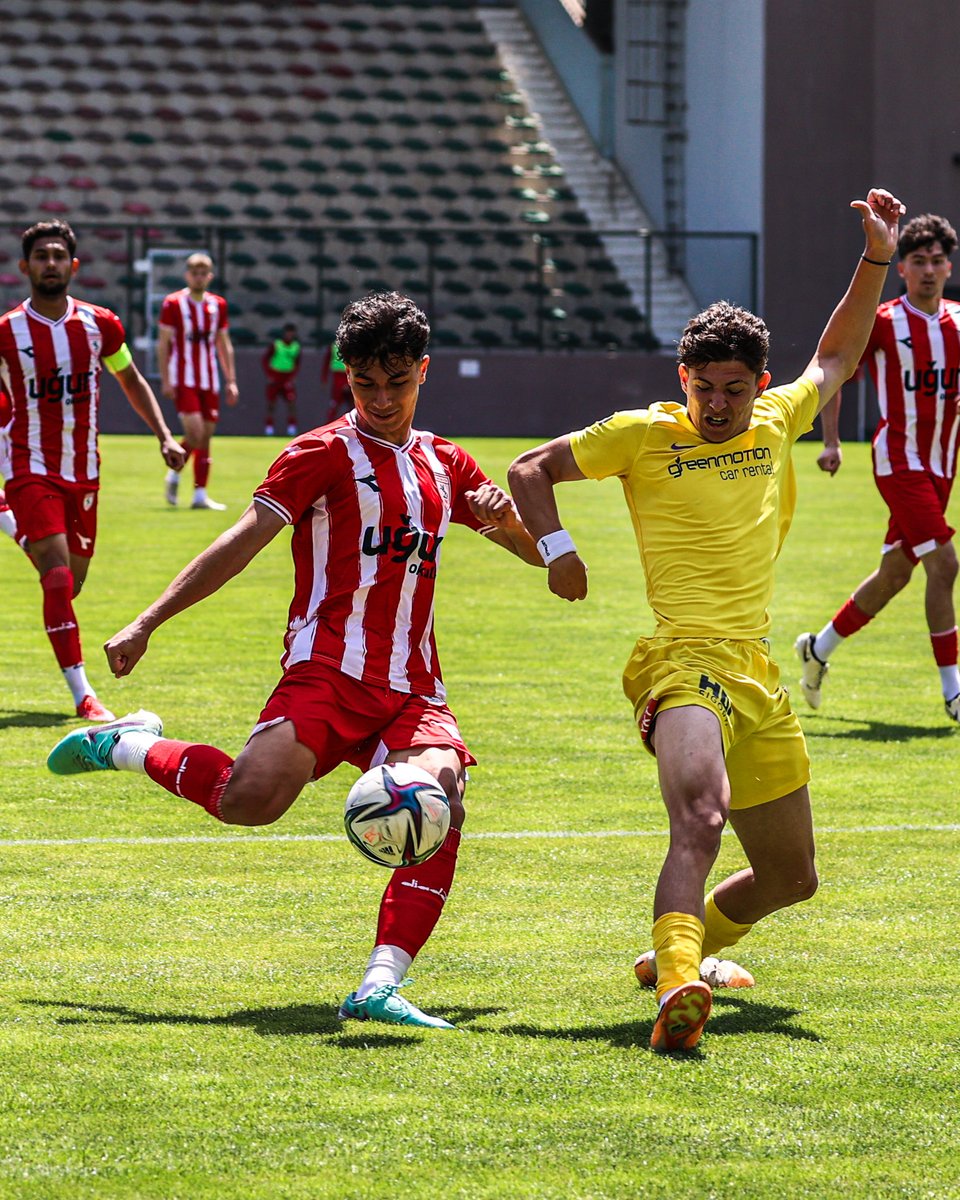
{"x": 724, "y": 972}
{"x": 682, "y": 1017}
{"x": 718, "y": 972}
{"x": 645, "y": 969}
{"x": 90, "y": 709}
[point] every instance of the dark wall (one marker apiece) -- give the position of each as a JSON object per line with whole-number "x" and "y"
{"x": 514, "y": 395}
{"x": 858, "y": 94}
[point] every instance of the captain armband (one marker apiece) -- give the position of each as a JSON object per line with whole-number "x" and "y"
{"x": 120, "y": 361}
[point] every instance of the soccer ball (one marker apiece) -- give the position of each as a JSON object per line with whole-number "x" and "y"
{"x": 397, "y": 815}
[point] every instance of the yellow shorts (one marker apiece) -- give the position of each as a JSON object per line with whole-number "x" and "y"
{"x": 763, "y": 744}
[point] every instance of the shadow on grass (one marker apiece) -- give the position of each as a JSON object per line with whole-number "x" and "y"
{"x": 291, "y": 1021}
{"x": 865, "y": 730}
{"x": 11, "y": 719}
{"x": 731, "y": 1016}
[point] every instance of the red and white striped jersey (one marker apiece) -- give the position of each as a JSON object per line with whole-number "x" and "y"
{"x": 914, "y": 361}
{"x": 193, "y": 350}
{"x": 51, "y": 370}
{"x": 368, "y": 521}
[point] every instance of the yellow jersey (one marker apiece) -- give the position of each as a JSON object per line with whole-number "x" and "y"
{"x": 709, "y": 518}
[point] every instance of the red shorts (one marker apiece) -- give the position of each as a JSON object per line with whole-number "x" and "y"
{"x": 44, "y": 507}
{"x": 917, "y": 503}
{"x": 198, "y": 400}
{"x": 343, "y": 720}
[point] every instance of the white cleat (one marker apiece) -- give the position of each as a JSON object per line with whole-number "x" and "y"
{"x": 812, "y": 676}
{"x": 171, "y": 485}
{"x": 718, "y": 972}
{"x": 953, "y": 708}
{"x": 206, "y": 502}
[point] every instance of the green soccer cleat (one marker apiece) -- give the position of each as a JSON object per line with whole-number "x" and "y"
{"x": 385, "y": 1005}
{"x": 91, "y": 749}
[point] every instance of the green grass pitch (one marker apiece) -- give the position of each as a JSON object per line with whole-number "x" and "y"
{"x": 169, "y": 986}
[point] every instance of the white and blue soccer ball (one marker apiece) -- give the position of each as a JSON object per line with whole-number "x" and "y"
{"x": 397, "y": 815}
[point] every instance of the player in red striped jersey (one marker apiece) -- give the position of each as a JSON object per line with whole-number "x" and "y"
{"x": 370, "y": 500}
{"x": 914, "y": 360}
{"x": 52, "y": 351}
{"x": 194, "y": 334}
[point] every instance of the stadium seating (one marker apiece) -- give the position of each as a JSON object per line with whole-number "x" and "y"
{"x": 379, "y": 120}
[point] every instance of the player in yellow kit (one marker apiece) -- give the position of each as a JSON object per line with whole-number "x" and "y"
{"x": 711, "y": 491}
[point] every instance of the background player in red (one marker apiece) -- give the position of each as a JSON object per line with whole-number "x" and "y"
{"x": 52, "y": 349}
{"x": 281, "y": 362}
{"x": 193, "y": 336}
{"x": 370, "y": 500}
{"x": 914, "y": 360}
{"x": 333, "y": 371}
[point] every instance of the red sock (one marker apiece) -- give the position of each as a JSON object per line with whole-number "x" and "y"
{"x": 59, "y": 618}
{"x": 414, "y": 899}
{"x": 196, "y": 772}
{"x": 850, "y": 618}
{"x": 945, "y": 647}
{"x": 201, "y": 468}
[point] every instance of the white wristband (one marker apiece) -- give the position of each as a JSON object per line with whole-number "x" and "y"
{"x": 553, "y": 545}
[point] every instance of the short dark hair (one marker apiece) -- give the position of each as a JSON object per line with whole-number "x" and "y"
{"x": 923, "y": 231}
{"x": 723, "y": 332}
{"x": 382, "y": 327}
{"x": 48, "y": 229}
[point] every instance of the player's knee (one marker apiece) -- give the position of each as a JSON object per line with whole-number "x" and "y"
{"x": 801, "y": 886}
{"x": 249, "y": 801}
{"x": 699, "y": 824}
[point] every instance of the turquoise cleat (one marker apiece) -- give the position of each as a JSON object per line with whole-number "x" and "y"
{"x": 385, "y": 1005}
{"x": 91, "y": 749}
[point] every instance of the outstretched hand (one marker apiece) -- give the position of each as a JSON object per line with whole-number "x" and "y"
{"x": 881, "y": 213}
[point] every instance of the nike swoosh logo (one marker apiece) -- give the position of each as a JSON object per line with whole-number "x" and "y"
{"x": 677, "y": 446}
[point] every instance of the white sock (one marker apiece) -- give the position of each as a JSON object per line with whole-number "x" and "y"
{"x": 131, "y": 749}
{"x": 387, "y": 964}
{"x": 826, "y": 641}
{"x": 199, "y": 493}
{"x": 173, "y": 476}
{"x": 950, "y": 681}
{"x": 8, "y": 523}
{"x": 77, "y": 682}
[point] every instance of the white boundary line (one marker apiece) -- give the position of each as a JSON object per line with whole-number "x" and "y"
{"x": 520, "y": 835}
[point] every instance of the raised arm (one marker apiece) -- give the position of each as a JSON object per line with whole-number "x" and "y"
{"x": 141, "y": 399}
{"x": 208, "y": 572}
{"x": 845, "y": 336}
{"x": 532, "y": 478}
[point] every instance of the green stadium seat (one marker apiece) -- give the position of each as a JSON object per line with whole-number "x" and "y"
{"x": 296, "y": 141}
{"x": 293, "y": 283}
{"x": 312, "y": 166}
{"x": 240, "y": 258}
{"x": 266, "y": 308}
{"x": 488, "y": 338}
{"x": 379, "y": 216}
{"x": 297, "y": 212}
{"x": 254, "y": 283}
{"x": 257, "y": 212}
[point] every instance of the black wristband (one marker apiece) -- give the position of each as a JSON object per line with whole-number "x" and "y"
{"x": 875, "y": 262}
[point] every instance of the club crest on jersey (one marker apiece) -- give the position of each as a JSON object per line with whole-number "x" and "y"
{"x": 442, "y": 480}
{"x": 402, "y": 544}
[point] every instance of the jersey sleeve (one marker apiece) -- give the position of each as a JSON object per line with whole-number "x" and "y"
{"x": 797, "y": 403}
{"x": 296, "y": 479}
{"x": 112, "y": 333}
{"x": 467, "y": 477}
{"x": 224, "y": 318}
{"x": 609, "y": 447}
{"x": 169, "y": 313}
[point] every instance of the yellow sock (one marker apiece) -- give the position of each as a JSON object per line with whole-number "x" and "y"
{"x": 677, "y": 939}
{"x": 719, "y": 931}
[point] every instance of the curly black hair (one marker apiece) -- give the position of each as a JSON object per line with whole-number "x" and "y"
{"x": 923, "y": 231}
{"x": 385, "y": 328}
{"x": 723, "y": 332}
{"x": 48, "y": 229}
